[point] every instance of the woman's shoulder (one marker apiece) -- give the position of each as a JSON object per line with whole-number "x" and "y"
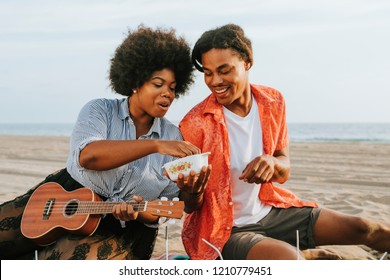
{"x": 105, "y": 101}
{"x": 104, "y": 104}
{"x": 169, "y": 129}
{"x": 167, "y": 123}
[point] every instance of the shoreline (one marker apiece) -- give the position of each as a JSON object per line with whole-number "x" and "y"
{"x": 315, "y": 140}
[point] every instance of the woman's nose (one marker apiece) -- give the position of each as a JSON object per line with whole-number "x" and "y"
{"x": 167, "y": 93}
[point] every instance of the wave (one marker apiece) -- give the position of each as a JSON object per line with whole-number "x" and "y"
{"x": 318, "y": 139}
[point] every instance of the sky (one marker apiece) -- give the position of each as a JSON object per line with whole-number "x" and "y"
{"x": 330, "y": 59}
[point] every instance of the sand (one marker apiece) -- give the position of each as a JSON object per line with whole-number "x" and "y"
{"x": 350, "y": 177}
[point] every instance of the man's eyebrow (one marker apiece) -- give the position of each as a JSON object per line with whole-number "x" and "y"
{"x": 218, "y": 68}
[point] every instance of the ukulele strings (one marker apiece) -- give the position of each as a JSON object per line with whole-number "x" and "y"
{"x": 95, "y": 211}
{"x": 84, "y": 207}
{"x": 101, "y": 203}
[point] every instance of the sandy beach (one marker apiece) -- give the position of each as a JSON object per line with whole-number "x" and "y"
{"x": 351, "y": 177}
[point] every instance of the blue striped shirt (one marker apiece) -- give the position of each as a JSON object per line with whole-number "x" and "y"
{"x": 109, "y": 119}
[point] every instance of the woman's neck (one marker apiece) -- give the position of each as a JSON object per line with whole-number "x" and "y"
{"x": 142, "y": 121}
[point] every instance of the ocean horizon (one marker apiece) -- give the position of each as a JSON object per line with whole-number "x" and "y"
{"x": 298, "y": 132}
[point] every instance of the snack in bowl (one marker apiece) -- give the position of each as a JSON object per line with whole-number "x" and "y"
{"x": 186, "y": 164}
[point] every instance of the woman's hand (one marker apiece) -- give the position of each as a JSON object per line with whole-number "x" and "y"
{"x": 177, "y": 148}
{"x": 124, "y": 211}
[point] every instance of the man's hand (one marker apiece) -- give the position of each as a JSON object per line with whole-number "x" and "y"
{"x": 193, "y": 187}
{"x": 259, "y": 170}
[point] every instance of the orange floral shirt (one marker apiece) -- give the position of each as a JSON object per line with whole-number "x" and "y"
{"x": 205, "y": 127}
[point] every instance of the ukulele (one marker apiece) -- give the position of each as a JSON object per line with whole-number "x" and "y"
{"x": 52, "y": 211}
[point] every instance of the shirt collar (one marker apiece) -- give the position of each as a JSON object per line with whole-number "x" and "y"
{"x": 214, "y": 108}
{"x": 124, "y": 111}
{"x": 262, "y": 96}
{"x": 156, "y": 127}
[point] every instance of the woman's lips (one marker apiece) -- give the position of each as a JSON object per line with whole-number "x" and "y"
{"x": 164, "y": 105}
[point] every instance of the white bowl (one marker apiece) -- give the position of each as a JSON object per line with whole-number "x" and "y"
{"x": 186, "y": 164}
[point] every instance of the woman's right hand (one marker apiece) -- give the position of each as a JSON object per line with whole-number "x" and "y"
{"x": 177, "y": 148}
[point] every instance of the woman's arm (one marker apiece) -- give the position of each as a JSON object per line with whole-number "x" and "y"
{"x": 108, "y": 154}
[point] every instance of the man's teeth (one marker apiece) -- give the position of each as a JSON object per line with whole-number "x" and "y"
{"x": 221, "y": 90}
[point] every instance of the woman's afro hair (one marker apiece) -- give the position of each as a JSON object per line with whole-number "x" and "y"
{"x": 145, "y": 51}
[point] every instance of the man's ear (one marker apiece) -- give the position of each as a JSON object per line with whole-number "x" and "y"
{"x": 247, "y": 65}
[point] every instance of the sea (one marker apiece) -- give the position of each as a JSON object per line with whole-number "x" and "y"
{"x": 298, "y": 132}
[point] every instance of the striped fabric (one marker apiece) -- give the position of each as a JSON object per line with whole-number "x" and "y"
{"x": 109, "y": 119}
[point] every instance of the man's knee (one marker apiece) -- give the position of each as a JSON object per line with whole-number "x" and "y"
{"x": 273, "y": 249}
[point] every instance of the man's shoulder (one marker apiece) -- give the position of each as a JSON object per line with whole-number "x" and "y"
{"x": 266, "y": 93}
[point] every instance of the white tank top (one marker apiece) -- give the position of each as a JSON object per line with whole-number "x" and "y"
{"x": 245, "y": 139}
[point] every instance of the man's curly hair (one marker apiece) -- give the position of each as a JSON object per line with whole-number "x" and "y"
{"x": 145, "y": 51}
{"x": 229, "y": 36}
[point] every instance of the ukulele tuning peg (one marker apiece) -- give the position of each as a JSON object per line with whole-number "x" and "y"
{"x": 164, "y": 198}
{"x": 175, "y": 199}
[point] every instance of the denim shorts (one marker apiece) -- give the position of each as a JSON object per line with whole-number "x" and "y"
{"x": 281, "y": 224}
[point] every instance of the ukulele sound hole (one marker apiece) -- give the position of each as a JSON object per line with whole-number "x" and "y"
{"x": 71, "y": 208}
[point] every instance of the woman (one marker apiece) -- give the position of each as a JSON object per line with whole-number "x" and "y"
{"x": 244, "y": 127}
{"x": 117, "y": 149}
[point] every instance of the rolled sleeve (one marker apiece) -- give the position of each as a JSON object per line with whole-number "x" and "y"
{"x": 91, "y": 126}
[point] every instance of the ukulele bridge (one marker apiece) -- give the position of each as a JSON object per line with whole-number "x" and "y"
{"x": 48, "y": 208}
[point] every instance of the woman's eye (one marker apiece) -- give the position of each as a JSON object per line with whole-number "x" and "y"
{"x": 158, "y": 85}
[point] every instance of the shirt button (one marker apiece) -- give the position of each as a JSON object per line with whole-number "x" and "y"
{"x": 230, "y": 203}
{"x": 227, "y": 228}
